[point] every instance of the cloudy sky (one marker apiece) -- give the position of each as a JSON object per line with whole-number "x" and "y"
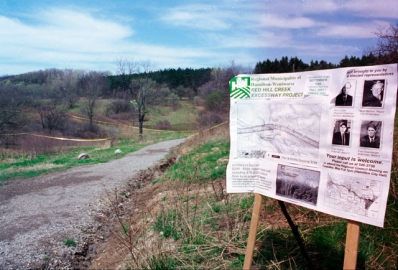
{"x": 92, "y": 35}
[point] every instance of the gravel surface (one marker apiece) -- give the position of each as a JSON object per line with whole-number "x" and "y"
{"x": 38, "y": 214}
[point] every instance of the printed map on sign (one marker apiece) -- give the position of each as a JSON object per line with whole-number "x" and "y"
{"x": 352, "y": 194}
{"x": 291, "y": 129}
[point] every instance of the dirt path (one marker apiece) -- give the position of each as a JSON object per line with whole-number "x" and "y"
{"x": 38, "y": 214}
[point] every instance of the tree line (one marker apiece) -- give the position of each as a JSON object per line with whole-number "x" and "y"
{"x": 137, "y": 86}
{"x": 296, "y": 65}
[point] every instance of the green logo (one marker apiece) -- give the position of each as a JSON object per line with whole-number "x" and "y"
{"x": 239, "y": 87}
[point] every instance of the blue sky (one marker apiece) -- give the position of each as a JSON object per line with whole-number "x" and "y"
{"x": 92, "y": 35}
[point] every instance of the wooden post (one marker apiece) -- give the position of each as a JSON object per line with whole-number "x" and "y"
{"x": 253, "y": 232}
{"x": 351, "y": 245}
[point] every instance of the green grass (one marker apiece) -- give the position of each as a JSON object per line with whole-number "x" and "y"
{"x": 100, "y": 109}
{"x": 168, "y": 224}
{"x": 186, "y": 114}
{"x": 161, "y": 262}
{"x": 25, "y": 166}
{"x": 125, "y": 229}
{"x": 70, "y": 242}
{"x": 247, "y": 202}
{"x": 203, "y": 164}
{"x": 183, "y": 119}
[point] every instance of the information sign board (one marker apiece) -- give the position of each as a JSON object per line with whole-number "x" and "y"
{"x": 320, "y": 139}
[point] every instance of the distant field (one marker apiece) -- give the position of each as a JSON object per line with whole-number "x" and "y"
{"x": 34, "y": 155}
{"x": 181, "y": 119}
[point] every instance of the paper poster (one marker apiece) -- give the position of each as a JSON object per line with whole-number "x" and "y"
{"x": 319, "y": 139}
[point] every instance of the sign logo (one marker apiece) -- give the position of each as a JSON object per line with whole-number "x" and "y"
{"x": 239, "y": 87}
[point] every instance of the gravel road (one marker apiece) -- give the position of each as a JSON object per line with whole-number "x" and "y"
{"x": 38, "y": 214}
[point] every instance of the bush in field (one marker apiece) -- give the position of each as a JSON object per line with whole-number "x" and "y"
{"x": 52, "y": 118}
{"x": 91, "y": 132}
{"x": 84, "y": 131}
{"x": 198, "y": 101}
{"x": 119, "y": 106}
{"x": 163, "y": 125}
{"x": 209, "y": 119}
{"x": 213, "y": 102}
{"x": 173, "y": 101}
{"x": 180, "y": 91}
{"x": 12, "y": 105}
{"x": 121, "y": 116}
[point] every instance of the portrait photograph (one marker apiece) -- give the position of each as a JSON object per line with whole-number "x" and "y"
{"x": 346, "y": 94}
{"x": 370, "y": 134}
{"x": 373, "y": 93}
{"x": 341, "y": 132}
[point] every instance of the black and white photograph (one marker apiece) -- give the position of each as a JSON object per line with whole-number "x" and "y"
{"x": 345, "y": 96}
{"x": 373, "y": 93}
{"x": 298, "y": 184}
{"x": 341, "y": 132}
{"x": 370, "y": 134}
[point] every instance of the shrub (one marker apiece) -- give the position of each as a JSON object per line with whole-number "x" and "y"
{"x": 85, "y": 131}
{"x": 174, "y": 101}
{"x": 209, "y": 119}
{"x": 213, "y": 102}
{"x": 163, "y": 125}
{"x": 199, "y": 101}
{"x": 119, "y": 106}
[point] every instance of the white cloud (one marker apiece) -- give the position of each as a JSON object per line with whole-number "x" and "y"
{"x": 69, "y": 39}
{"x": 324, "y": 51}
{"x": 360, "y": 8}
{"x": 206, "y": 17}
{"x": 83, "y": 23}
{"x": 59, "y": 36}
{"x": 298, "y": 8}
{"x": 65, "y": 30}
{"x": 373, "y": 9}
{"x": 318, "y": 7}
{"x": 243, "y": 40}
{"x": 278, "y": 21}
{"x": 362, "y": 30}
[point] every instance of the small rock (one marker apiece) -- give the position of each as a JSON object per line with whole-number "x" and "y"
{"x": 118, "y": 151}
{"x": 83, "y": 156}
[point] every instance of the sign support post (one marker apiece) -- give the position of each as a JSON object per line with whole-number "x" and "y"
{"x": 253, "y": 232}
{"x": 351, "y": 245}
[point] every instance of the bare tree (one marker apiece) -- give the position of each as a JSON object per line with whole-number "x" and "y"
{"x": 69, "y": 87}
{"x": 66, "y": 86}
{"x": 92, "y": 85}
{"x": 143, "y": 91}
{"x": 386, "y": 50}
{"x": 11, "y": 108}
{"x": 51, "y": 116}
{"x": 125, "y": 69}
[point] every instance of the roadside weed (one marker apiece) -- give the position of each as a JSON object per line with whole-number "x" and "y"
{"x": 70, "y": 242}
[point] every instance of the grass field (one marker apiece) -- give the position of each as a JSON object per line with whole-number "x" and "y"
{"x": 44, "y": 154}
